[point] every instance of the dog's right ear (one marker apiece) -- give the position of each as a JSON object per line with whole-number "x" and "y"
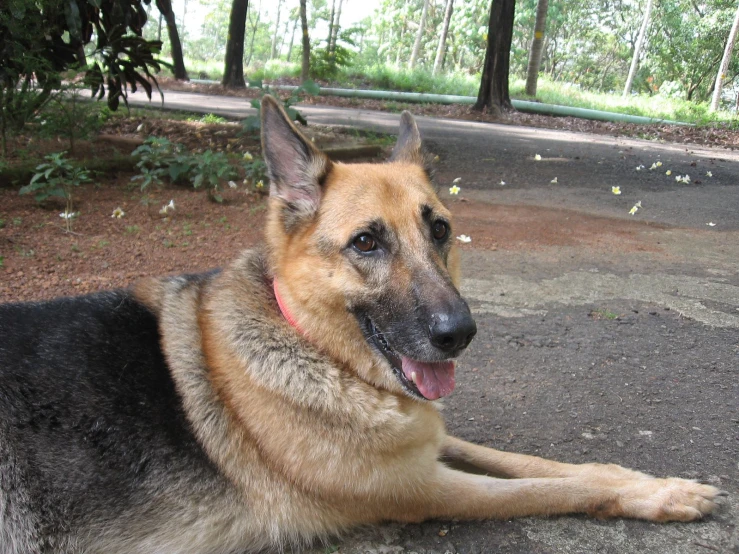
{"x": 296, "y": 168}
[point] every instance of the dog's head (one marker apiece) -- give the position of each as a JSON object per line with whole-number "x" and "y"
{"x": 364, "y": 261}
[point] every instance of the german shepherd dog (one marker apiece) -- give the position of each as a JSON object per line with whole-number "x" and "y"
{"x": 280, "y": 400}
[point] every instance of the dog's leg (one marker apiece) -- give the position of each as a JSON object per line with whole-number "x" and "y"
{"x": 463, "y": 495}
{"x": 517, "y": 466}
{"x": 538, "y": 486}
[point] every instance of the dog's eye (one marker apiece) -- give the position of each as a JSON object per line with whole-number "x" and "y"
{"x": 439, "y": 230}
{"x": 365, "y": 243}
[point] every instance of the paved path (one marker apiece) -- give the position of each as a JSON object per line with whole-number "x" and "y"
{"x": 622, "y": 347}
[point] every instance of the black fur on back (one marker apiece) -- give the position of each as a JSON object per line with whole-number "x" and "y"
{"x": 90, "y": 419}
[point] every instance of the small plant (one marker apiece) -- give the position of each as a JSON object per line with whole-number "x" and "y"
{"x": 69, "y": 114}
{"x": 212, "y": 119}
{"x": 254, "y": 122}
{"x": 132, "y": 229}
{"x": 255, "y": 170}
{"x": 210, "y": 169}
{"x": 57, "y": 178}
{"x": 603, "y": 313}
{"x": 156, "y": 156}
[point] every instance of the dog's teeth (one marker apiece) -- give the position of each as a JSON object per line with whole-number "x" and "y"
{"x": 413, "y": 377}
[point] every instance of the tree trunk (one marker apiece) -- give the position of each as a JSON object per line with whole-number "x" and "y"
{"x": 637, "y": 49}
{"x": 305, "y": 65}
{"x": 419, "y": 35}
{"x": 165, "y": 8}
{"x": 335, "y": 32}
{"x": 273, "y": 50}
{"x": 493, "y": 94}
{"x": 292, "y": 40}
{"x": 233, "y": 73}
{"x": 331, "y": 25}
{"x": 400, "y": 46}
{"x": 537, "y": 47}
{"x": 715, "y": 100}
{"x": 253, "y": 32}
{"x": 81, "y": 57}
{"x": 441, "y": 50}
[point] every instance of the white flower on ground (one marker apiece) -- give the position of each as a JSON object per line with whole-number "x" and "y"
{"x": 260, "y": 184}
{"x": 711, "y": 224}
{"x": 658, "y": 164}
{"x": 537, "y": 157}
{"x": 653, "y": 166}
{"x": 616, "y": 190}
{"x": 640, "y": 167}
{"x": 502, "y": 183}
{"x": 248, "y": 157}
{"x": 68, "y": 215}
{"x": 668, "y": 172}
{"x": 709, "y": 174}
{"x": 464, "y": 238}
{"x": 636, "y": 207}
{"x": 454, "y": 189}
{"x": 554, "y": 181}
{"x": 457, "y": 180}
{"x": 118, "y": 213}
{"x": 232, "y": 184}
{"x": 167, "y": 208}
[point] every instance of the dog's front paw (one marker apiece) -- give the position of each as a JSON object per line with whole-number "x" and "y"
{"x": 662, "y": 500}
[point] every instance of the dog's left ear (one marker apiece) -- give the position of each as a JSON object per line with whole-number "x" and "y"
{"x": 409, "y": 148}
{"x": 296, "y": 168}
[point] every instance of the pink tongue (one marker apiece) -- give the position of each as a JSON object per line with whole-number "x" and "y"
{"x": 433, "y": 379}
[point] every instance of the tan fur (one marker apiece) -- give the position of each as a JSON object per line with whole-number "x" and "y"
{"x": 312, "y": 429}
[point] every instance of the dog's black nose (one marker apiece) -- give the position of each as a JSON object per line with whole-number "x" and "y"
{"x": 451, "y": 332}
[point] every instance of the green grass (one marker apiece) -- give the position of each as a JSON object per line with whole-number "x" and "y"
{"x": 655, "y": 106}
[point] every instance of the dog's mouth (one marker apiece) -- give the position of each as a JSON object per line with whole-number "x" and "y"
{"x": 428, "y": 380}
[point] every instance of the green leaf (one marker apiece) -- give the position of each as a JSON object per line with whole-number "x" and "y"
{"x": 310, "y": 87}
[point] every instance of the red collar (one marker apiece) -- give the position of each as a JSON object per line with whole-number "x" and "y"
{"x": 283, "y": 309}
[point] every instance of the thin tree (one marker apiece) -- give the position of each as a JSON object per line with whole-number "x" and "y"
{"x": 292, "y": 38}
{"x": 165, "y": 8}
{"x": 494, "y": 95}
{"x": 254, "y": 28}
{"x": 233, "y": 73}
{"x": 637, "y": 49}
{"x": 335, "y": 32}
{"x": 273, "y": 50}
{"x": 537, "y": 47}
{"x": 331, "y": 25}
{"x": 305, "y": 64}
{"x": 419, "y": 35}
{"x": 723, "y": 68}
{"x": 441, "y": 50}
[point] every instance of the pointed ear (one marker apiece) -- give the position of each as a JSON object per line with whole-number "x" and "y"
{"x": 408, "y": 148}
{"x": 296, "y": 168}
